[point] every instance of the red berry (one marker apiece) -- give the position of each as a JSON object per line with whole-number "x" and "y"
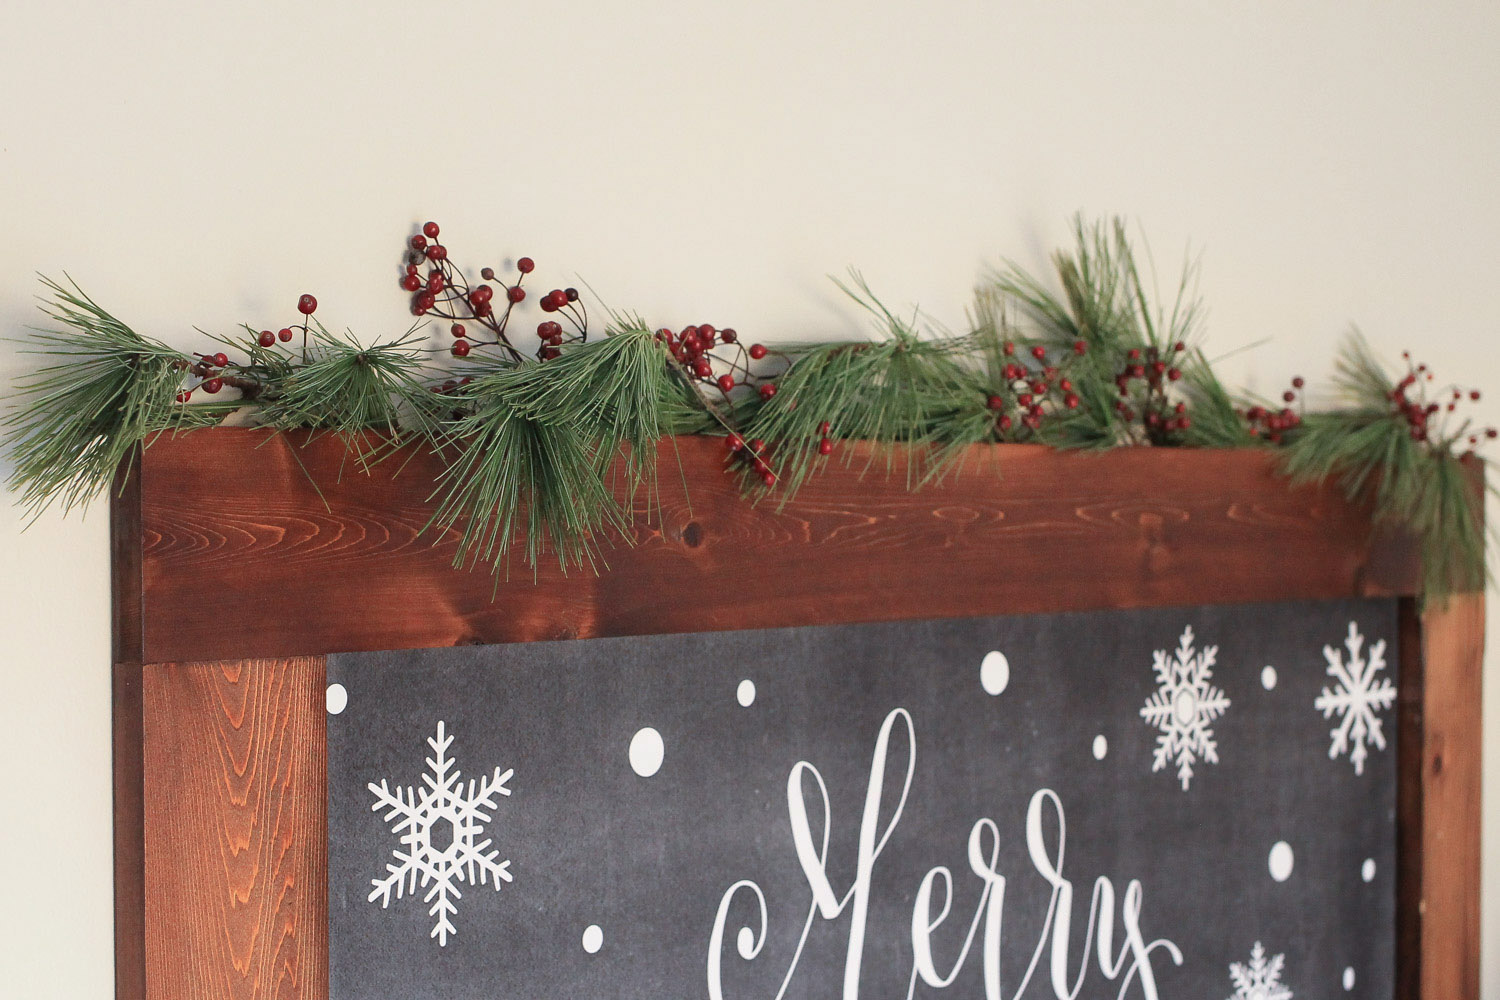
{"x": 702, "y": 369}
{"x": 460, "y": 348}
{"x": 734, "y": 442}
{"x": 1289, "y": 396}
{"x": 1174, "y": 374}
{"x": 1010, "y": 349}
{"x": 1183, "y": 423}
{"x": 426, "y": 301}
{"x": 1070, "y": 401}
{"x": 487, "y": 273}
{"x": 284, "y": 335}
{"x": 221, "y": 359}
{"x": 515, "y": 293}
{"x": 431, "y": 229}
{"x": 184, "y": 395}
{"x": 707, "y": 330}
{"x": 267, "y": 338}
{"x": 481, "y": 293}
{"x": 435, "y": 281}
{"x": 1065, "y": 385}
{"x": 419, "y": 242}
{"x": 768, "y": 477}
{"x": 1080, "y": 347}
{"x": 689, "y": 331}
{"x": 1298, "y": 382}
{"x": 757, "y": 351}
{"x": 995, "y": 403}
{"x": 458, "y": 331}
{"x": 1491, "y": 433}
{"x": 767, "y": 390}
{"x": 1039, "y": 352}
{"x": 525, "y": 265}
{"x": 825, "y": 447}
{"x": 1474, "y": 395}
{"x": 213, "y": 385}
{"x": 728, "y": 335}
{"x": 726, "y": 382}
{"x": 1133, "y": 354}
{"x": 571, "y": 294}
{"x": 411, "y": 282}
{"x": 307, "y": 305}
{"x": 823, "y": 429}
{"x": 550, "y": 353}
{"x": 1024, "y": 399}
{"x": 757, "y": 446}
{"x": 437, "y": 252}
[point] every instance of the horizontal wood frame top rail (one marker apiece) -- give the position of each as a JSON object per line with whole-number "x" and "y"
{"x": 256, "y": 544}
{"x": 234, "y": 572}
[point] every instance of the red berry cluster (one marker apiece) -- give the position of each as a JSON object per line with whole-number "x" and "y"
{"x": 717, "y": 359}
{"x": 1273, "y": 424}
{"x": 210, "y": 369}
{"x": 1030, "y": 382}
{"x": 1426, "y": 417}
{"x": 754, "y": 454}
{"x": 444, "y": 292}
{"x": 1146, "y": 383}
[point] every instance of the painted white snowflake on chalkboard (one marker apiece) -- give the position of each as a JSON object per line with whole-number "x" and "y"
{"x": 1357, "y": 697}
{"x": 1261, "y": 979}
{"x": 440, "y": 826}
{"x": 1183, "y": 706}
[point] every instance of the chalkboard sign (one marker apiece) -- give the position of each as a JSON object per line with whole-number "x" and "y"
{"x": 1173, "y": 802}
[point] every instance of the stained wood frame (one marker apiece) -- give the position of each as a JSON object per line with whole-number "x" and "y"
{"x": 234, "y": 577}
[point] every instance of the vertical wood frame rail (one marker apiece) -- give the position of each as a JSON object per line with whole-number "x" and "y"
{"x": 234, "y": 576}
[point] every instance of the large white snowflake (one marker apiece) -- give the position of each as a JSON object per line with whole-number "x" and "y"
{"x": 440, "y": 826}
{"x": 1357, "y": 697}
{"x": 1261, "y": 979}
{"x": 1183, "y": 705}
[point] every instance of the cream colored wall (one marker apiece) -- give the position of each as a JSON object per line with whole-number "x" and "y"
{"x": 695, "y": 162}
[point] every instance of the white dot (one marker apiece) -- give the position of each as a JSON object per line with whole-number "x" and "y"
{"x": 745, "y": 693}
{"x": 593, "y": 938}
{"x": 336, "y": 698}
{"x": 1268, "y": 678}
{"x": 1348, "y": 978}
{"x": 994, "y": 672}
{"x": 646, "y": 752}
{"x": 1367, "y": 870}
{"x": 1281, "y": 861}
{"x": 1101, "y": 747}
{"x": 745, "y": 942}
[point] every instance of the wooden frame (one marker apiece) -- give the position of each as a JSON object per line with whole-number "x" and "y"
{"x": 234, "y": 577}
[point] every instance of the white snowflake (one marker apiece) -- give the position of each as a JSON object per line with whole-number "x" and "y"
{"x": 1261, "y": 979}
{"x": 1357, "y": 697}
{"x": 1183, "y": 705}
{"x": 440, "y": 826}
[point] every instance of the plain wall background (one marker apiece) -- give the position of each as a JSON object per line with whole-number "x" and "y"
{"x": 202, "y": 165}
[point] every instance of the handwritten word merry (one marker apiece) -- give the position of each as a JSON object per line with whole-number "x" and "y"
{"x": 1132, "y": 961}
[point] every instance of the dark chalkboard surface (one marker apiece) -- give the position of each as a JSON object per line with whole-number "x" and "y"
{"x": 1185, "y": 802}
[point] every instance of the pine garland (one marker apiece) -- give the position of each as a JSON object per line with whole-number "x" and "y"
{"x": 533, "y": 445}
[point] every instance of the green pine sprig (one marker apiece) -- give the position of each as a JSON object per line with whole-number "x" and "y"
{"x": 902, "y": 388}
{"x": 1421, "y": 485}
{"x": 76, "y": 419}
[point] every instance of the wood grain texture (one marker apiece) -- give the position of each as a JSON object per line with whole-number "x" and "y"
{"x": 125, "y": 732}
{"x": 235, "y": 772}
{"x": 241, "y": 557}
{"x": 1453, "y": 662}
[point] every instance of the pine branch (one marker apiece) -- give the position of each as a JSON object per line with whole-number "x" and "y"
{"x": 1411, "y": 481}
{"x": 363, "y": 394}
{"x": 75, "y": 420}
